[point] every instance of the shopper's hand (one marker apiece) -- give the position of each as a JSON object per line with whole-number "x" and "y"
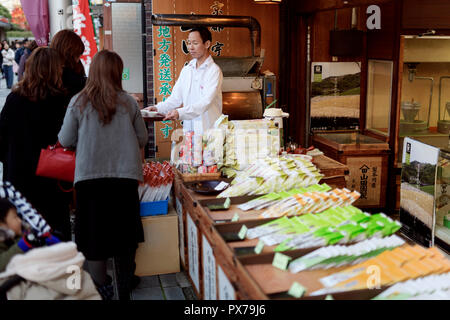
{"x": 172, "y": 115}
{"x": 151, "y": 108}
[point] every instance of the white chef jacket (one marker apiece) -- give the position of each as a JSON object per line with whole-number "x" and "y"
{"x": 199, "y": 91}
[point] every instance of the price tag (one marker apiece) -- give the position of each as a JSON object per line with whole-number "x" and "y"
{"x": 235, "y": 217}
{"x": 243, "y": 232}
{"x": 259, "y": 247}
{"x": 221, "y": 186}
{"x": 296, "y": 290}
{"x": 281, "y": 261}
{"x": 227, "y": 203}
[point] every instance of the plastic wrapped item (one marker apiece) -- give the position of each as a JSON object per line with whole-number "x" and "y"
{"x": 158, "y": 180}
{"x": 197, "y": 150}
{"x": 273, "y": 175}
{"x": 213, "y": 141}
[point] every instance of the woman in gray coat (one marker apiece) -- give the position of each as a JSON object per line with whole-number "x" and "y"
{"x": 105, "y": 125}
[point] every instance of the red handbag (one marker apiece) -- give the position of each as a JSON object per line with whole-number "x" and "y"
{"x": 56, "y": 163}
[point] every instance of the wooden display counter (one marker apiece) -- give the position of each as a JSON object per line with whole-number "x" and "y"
{"x": 367, "y": 160}
{"x": 214, "y": 269}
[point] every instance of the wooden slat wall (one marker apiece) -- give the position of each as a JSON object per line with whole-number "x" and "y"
{"x": 429, "y": 14}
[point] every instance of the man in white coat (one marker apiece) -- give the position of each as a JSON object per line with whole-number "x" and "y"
{"x": 197, "y": 95}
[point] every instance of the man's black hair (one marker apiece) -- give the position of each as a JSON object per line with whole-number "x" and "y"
{"x": 205, "y": 34}
{"x": 5, "y": 206}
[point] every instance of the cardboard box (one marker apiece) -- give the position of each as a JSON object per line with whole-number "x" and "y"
{"x": 159, "y": 254}
{"x": 163, "y": 134}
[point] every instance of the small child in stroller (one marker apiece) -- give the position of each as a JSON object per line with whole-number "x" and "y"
{"x": 12, "y": 240}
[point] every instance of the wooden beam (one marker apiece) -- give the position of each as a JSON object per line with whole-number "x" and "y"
{"x": 310, "y": 6}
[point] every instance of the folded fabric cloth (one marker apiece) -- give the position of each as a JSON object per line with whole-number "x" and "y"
{"x": 46, "y": 263}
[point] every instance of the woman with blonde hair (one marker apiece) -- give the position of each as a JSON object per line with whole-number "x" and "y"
{"x": 70, "y": 47}
{"x": 30, "y": 121}
{"x": 105, "y": 125}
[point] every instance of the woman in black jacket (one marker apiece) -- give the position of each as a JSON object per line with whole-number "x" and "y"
{"x": 70, "y": 47}
{"x": 30, "y": 121}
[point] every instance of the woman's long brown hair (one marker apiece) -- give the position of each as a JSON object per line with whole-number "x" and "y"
{"x": 103, "y": 85}
{"x": 70, "y": 47}
{"x": 42, "y": 77}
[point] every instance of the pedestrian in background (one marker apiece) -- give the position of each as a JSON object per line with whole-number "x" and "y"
{"x": 1, "y": 61}
{"x": 28, "y": 50}
{"x": 8, "y": 59}
{"x": 105, "y": 125}
{"x": 20, "y": 50}
{"x": 70, "y": 47}
{"x": 30, "y": 121}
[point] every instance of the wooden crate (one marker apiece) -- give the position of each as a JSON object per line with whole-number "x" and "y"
{"x": 367, "y": 164}
{"x": 191, "y": 177}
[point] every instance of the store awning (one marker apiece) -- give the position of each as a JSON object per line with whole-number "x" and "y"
{"x": 5, "y": 25}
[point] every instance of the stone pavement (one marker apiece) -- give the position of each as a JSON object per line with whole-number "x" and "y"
{"x": 173, "y": 286}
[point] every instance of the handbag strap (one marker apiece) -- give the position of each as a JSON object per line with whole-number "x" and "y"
{"x": 62, "y": 189}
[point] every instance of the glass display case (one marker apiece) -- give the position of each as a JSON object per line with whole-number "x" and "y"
{"x": 379, "y": 94}
{"x": 425, "y": 89}
{"x": 425, "y": 190}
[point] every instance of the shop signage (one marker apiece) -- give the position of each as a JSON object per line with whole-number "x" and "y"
{"x": 209, "y": 271}
{"x": 365, "y": 177}
{"x": 179, "y": 209}
{"x": 226, "y": 290}
{"x": 420, "y": 194}
{"x": 126, "y": 74}
{"x": 193, "y": 252}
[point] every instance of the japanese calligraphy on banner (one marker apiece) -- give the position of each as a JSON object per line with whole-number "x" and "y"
{"x": 365, "y": 177}
{"x": 82, "y": 25}
{"x": 164, "y": 37}
{"x": 164, "y": 82}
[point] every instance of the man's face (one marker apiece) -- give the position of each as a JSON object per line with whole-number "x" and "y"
{"x": 196, "y": 47}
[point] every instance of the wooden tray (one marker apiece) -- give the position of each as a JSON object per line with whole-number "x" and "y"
{"x": 190, "y": 177}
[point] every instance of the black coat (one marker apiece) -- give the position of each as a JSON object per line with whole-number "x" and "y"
{"x": 25, "y": 128}
{"x": 74, "y": 82}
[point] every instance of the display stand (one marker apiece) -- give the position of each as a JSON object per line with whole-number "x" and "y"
{"x": 211, "y": 264}
{"x": 228, "y": 268}
{"x": 367, "y": 159}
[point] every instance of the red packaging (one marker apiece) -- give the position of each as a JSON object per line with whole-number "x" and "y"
{"x": 202, "y": 169}
{"x": 212, "y": 169}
